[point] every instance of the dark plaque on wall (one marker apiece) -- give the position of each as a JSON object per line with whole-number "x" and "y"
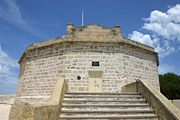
{"x": 95, "y": 63}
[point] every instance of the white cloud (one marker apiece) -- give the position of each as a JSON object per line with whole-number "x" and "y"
{"x": 174, "y": 13}
{"x": 165, "y": 49}
{"x": 166, "y": 25}
{"x": 6, "y": 60}
{"x": 6, "y": 66}
{"x": 143, "y": 38}
{"x": 154, "y": 42}
{"x": 10, "y": 12}
{"x": 164, "y": 30}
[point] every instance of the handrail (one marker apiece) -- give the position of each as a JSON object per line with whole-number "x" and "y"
{"x": 162, "y": 106}
{"x": 58, "y": 91}
{"x": 162, "y": 99}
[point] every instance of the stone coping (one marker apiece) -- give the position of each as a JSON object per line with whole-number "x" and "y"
{"x": 2, "y": 95}
{"x": 35, "y": 97}
{"x": 36, "y": 102}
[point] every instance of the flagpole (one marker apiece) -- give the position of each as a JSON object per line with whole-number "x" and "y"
{"x": 82, "y": 18}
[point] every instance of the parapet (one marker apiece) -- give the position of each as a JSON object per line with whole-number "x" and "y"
{"x": 91, "y": 33}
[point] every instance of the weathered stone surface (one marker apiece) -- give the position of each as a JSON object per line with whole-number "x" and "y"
{"x": 36, "y": 108}
{"x": 33, "y": 110}
{"x": 121, "y": 62}
{"x": 21, "y": 111}
{"x": 120, "y": 65}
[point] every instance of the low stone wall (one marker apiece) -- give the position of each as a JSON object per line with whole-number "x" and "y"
{"x": 34, "y": 110}
{"x": 7, "y": 98}
{"x": 176, "y": 103}
{"x": 162, "y": 106}
{"x": 39, "y": 108}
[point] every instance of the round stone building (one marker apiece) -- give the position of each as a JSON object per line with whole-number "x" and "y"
{"x": 90, "y": 58}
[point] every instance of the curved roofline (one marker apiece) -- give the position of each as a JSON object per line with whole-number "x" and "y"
{"x": 128, "y": 41}
{"x": 72, "y": 36}
{"x": 65, "y": 37}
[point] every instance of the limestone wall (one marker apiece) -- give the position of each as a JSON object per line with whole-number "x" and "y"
{"x": 120, "y": 63}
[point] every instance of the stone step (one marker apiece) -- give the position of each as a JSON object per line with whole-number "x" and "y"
{"x": 130, "y": 111}
{"x": 107, "y": 102}
{"x": 106, "y": 108}
{"x": 106, "y": 114}
{"x": 106, "y": 105}
{"x": 110, "y": 117}
{"x": 104, "y": 101}
{"x": 102, "y": 96}
{"x": 100, "y": 93}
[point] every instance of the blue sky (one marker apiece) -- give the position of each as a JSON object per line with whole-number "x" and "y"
{"x": 23, "y": 22}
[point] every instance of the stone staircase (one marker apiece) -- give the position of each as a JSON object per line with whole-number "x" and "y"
{"x": 106, "y": 106}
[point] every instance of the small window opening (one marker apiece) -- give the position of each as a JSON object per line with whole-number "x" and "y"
{"x": 78, "y": 77}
